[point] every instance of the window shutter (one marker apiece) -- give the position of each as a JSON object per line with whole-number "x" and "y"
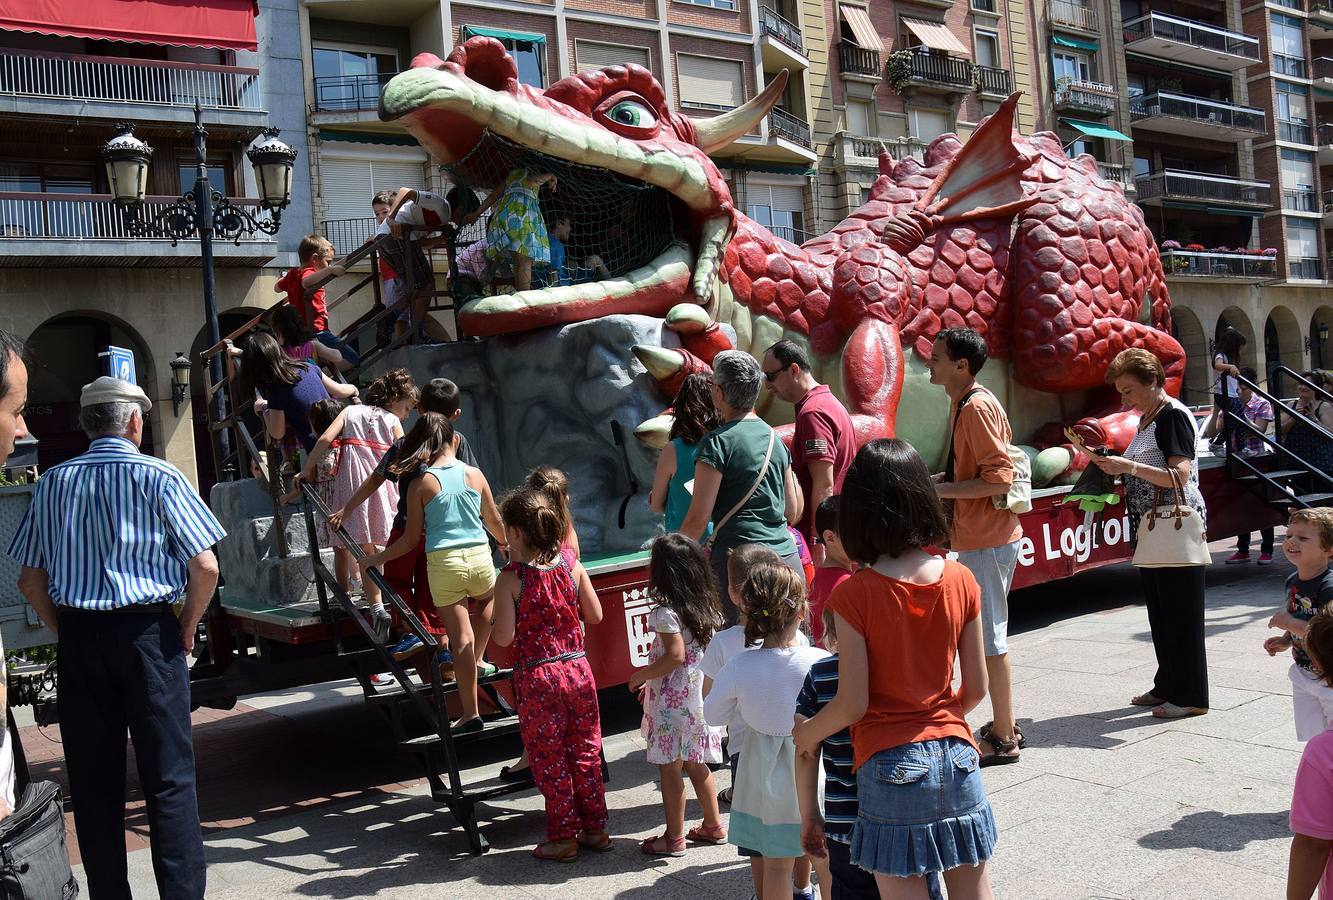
{"x": 347, "y": 188}
{"x": 592, "y": 55}
{"x": 716, "y": 82}
{"x": 788, "y": 197}
{"x": 390, "y": 176}
{"x": 858, "y": 118}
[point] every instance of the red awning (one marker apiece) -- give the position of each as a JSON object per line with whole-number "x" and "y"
{"x": 223, "y": 24}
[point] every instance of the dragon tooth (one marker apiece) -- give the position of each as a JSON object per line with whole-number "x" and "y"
{"x": 687, "y": 318}
{"x": 713, "y": 239}
{"x": 655, "y": 431}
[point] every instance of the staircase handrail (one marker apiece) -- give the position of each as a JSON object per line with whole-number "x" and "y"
{"x": 1240, "y": 421}
{"x": 1297, "y": 376}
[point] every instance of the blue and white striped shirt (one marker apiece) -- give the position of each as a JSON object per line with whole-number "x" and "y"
{"x": 114, "y": 527}
{"x": 840, "y": 802}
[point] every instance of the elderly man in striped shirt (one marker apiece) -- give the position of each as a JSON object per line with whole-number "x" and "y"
{"x": 112, "y": 540}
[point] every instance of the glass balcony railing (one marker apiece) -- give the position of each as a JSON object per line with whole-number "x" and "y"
{"x": 1322, "y": 66}
{"x": 1216, "y": 264}
{"x": 787, "y": 32}
{"x": 1197, "y": 109}
{"x": 1191, "y": 33}
{"x": 1302, "y": 199}
{"x": 1199, "y": 186}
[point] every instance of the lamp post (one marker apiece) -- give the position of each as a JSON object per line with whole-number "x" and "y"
{"x": 202, "y": 212}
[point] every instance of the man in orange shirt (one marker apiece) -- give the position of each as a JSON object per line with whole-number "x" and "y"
{"x": 985, "y": 538}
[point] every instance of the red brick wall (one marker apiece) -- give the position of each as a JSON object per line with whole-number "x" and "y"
{"x": 642, "y": 9}
{"x": 695, "y": 46}
{"x": 735, "y": 21}
{"x": 617, "y": 35}
{"x": 495, "y": 18}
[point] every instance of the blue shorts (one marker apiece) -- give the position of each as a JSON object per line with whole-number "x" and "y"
{"x": 922, "y": 809}
{"x": 993, "y": 567}
{"x": 329, "y": 339}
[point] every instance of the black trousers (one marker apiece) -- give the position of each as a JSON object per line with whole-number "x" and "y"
{"x": 1265, "y": 541}
{"x": 1175, "y": 616}
{"x": 124, "y": 673}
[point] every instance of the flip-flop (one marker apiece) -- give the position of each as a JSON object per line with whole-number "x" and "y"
{"x": 597, "y": 841}
{"x": 564, "y": 851}
{"x": 1171, "y": 711}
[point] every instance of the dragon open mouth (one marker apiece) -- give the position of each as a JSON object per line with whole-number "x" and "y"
{"x": 635, "y": 208}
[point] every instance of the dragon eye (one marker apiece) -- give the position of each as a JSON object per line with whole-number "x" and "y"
{"x": 632, "y": 113}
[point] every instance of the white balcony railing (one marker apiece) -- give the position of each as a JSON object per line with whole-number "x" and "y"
{"x": 1089, "y": 96}
{"x": 1192, "y": 33}
{"x": 1117, "y": 173}
{"x": 102, "y": 79}
{"x": 80, "y": 217}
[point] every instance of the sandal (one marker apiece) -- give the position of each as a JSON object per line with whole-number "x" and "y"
{"x": 984, "y": 734}
{"x": 1146, "y": 699}
{"x": 663, "y": 846}
{"x": 1171, "y": 711}
{"x": 557, "y": 851}
{"x": 1002, "y": 753}
{"x": 598, "y": 841}
{"x": 724, "y": 797}
{"x": 707, "y": 834}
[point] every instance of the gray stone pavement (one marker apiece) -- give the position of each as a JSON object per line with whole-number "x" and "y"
{"x": 1107, "y": 802}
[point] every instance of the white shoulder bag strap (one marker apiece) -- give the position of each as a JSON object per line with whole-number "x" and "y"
{"x": 763, "y": 470}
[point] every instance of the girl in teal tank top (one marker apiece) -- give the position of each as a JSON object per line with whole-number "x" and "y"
{"x": 693, "y": 416}
{"x": 452, "y": 503}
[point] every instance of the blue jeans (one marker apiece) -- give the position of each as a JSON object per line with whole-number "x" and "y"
{"x": 329, "y": 339}
{"x": 118, "y": 673}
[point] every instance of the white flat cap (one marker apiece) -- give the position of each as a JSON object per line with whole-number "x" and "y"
{"x": 113, "y": 390}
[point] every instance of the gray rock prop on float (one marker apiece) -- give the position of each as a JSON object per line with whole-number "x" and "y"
{"x": 548, "y": 397}
{"x": 248, "y": 555}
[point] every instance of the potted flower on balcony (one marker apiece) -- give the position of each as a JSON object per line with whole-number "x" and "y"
{"x": 1170, "y": 245}
{"x": 1195, "y": 248}
{"x": 898, "y": 70}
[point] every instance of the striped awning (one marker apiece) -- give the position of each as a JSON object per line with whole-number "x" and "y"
{"x": 936, "y": 36}
{"x": 858, "y": 20}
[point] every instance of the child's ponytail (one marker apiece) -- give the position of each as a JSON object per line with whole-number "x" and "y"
{"x": 536, "y": 518}
{"x": 427, "y": 440}
{"x": 774, "y": 598}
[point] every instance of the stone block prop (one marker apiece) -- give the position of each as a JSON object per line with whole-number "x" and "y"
{"x": 548, "y": 397}
{"x": 248, "y": 555}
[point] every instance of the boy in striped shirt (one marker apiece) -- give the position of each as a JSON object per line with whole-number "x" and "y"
{"x": 826, "y": 838}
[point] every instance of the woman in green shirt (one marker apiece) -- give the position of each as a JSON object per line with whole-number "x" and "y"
{"x": 748, "y": 502}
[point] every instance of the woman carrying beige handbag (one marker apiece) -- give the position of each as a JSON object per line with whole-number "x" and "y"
{"x": 1162, "y": 488}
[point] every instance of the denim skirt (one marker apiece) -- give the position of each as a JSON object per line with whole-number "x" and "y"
{"x": 922, "y": 809}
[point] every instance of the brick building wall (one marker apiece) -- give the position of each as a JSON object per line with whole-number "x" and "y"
{"x": 737, "y": 21}
{"x": 504, "y": 18}
{"x": 618, "y": 36}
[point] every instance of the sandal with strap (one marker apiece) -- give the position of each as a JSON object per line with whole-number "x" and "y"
{"x": 707, "y": 834}
{"x": 557, "y": 851}
{"x": 1002, "y": 752}
{"x": 984, "y": 734}
{"x": 663, "y": 846}
{"x": 1146, "y": 699}
{"x": 597, "y": 841}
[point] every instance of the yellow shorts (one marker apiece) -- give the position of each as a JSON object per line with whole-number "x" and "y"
{"x": 455, "y": 575}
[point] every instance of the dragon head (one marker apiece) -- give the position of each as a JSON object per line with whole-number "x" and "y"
{"x": 613, "y": 124}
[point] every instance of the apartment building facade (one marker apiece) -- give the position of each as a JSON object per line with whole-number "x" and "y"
{"x": 74, "y": 278}
{"x": 709, "y": 55}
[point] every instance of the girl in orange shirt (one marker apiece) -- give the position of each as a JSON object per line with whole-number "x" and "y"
{"x": 900, "y": 622}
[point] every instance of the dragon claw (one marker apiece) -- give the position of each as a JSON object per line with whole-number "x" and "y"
{"x": 660, "y": 362}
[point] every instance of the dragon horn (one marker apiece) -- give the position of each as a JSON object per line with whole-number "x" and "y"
{"x": 711, "y": 135}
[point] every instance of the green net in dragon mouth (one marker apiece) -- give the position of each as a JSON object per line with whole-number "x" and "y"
{"x": 622, "y": 222}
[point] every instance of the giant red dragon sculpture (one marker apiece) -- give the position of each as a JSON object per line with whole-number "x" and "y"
{"x": 1004, "y": 234}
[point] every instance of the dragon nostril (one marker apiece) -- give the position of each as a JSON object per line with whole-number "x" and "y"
{"x": 486, "y": 61}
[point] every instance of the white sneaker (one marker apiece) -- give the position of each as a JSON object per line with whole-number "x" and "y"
{"x": 382, "y": 679}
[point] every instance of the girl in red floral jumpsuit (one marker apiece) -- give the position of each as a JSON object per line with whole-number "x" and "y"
{"x": 538, "y": 599}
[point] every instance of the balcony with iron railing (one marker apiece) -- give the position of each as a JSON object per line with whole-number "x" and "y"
{"x": 1074, "y": 14}
{"x": 1300, "y": 199}
{"x": 992, "y": 81}
{"x": 1174, "y": 39}
{"x": 784, "y": 125}
{"x": 856, "y": 60}
{"x": 788, "y": 33}
{"x": 1165, "y": 111}
{"x": 1199, "y": 187}
{"x": 111, "y": 87}
{"x": 1087, "y": 98}
{"x": 43, "y": 227}
{"x": 929, "y": 71}
{"x": 1307, "y": 269}
{"x": 1219, "y": 264}
{"x": 350, "y": 93}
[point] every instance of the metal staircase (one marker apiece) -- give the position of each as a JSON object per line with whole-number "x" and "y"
{"x": 1283, "y": 479}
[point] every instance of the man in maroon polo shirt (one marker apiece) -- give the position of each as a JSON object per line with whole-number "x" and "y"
{"x": 824, "y": 443}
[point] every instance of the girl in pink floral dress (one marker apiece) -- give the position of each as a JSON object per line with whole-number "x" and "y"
{"x": 359, "y": 437}
{"x": 673, "y": 708}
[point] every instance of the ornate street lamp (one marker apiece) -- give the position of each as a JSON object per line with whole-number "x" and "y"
{"x": 180, "y": 382}
{"x": 203, "y": 212}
